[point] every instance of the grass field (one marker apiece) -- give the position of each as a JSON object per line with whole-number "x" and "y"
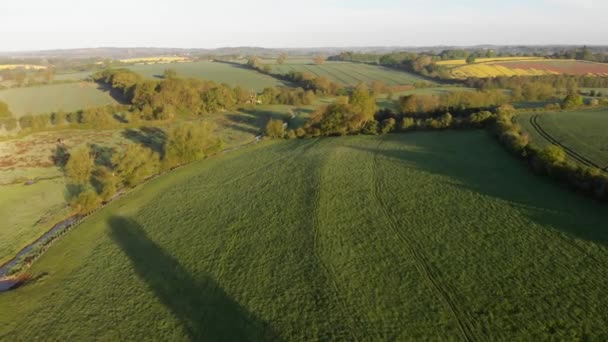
{"x": 439, "y": 236}
{"x": 49, "y": 98}
{"x": 349, "y": 73}
{"x": 211, "y": 71}
{"x": 581, "y": 133}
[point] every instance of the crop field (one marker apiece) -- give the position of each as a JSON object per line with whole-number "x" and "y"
{"x": 49, "y": 98}
{"x": 211, "y": 71}
{"x": 582, "y": 134}
{"x": 22, "y": 66}
{"x": 528, "y": 67}
{"x": 453, "y": 62}
{"x": 350, "y": 73}
{"x": 423, "y": 236}
{"x": 158, "y": 59}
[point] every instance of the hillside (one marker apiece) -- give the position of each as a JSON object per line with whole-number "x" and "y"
{"x": 435, "y": 236}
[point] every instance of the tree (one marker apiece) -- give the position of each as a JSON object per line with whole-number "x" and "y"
{"x": 169, "y": 74}
{"x": 189, "y": 142}
{"x": 253, "y": 62}
{"x": 80, "y": 165}
{"x": 267, "y": 68}
{"x": 86, "y": 201}
{"x": 319, "y": 59}
{"x": 552, "y": 155}
{"x": 363, "y": 104}
{"x": 470, "y": 59}
{"x": 282, "y": 58}
{"x": 407, "y": 123}
{"x": 135, "y": 164}
{"x": 572, "y": 100}
{"x": 105, "y": 183}
{"x": 4, "y": 111}
{"x": 275, "y": 128}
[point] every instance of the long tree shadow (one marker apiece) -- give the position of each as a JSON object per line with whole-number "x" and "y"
{"x": 150, "y": 137}
{"x": 252, "y": 120}
{"x": 203, "y": 308}
{"x": 116, "y": 94}
{"x": 541, "y": 199}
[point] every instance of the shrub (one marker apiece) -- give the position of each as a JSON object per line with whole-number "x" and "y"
{"x": 79, "y": 167}
{"x": 291, "y": 134}
{"x": 408, "y": 123}
{"x": 370, "y": 127}
{"x": 388, "y": 125}
{"x": 275, "y": 128}
{"x": 86, "y": 201}
{"x": 552, "y": 155}
{"x": 571, "y": 101}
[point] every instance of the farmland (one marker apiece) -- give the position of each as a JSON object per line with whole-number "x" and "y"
{"x": 419, "y": 236}
{"x": 49, "y": 98}
{"x": 581, "y": 133}
{"x": 528, "y": 67}
{"x": 218, "y": 72}
{"x": 349, "y": 74}
{"x": 453, "y": 62}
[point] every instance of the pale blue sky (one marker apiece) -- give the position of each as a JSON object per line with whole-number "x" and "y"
{"x": 48, "y": 24}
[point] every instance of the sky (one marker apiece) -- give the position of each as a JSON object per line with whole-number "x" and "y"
{"x": 60, "y": 24}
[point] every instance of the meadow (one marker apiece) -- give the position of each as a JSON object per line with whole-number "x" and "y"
{"x": 436, "y": 235}
{"x": 347, "y": 73}
{"x": 56, "y": 97}
{"x": 219, "y": 72}
{"x": 581, "y": 133}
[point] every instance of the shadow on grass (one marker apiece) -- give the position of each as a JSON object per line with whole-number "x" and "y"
{"x": 116, "y": 94}
{"x": 253, "y": 121}
{"x": 203, "y": 308}
{"x": 480, "y": 170}
{"x": 153, "y": 138}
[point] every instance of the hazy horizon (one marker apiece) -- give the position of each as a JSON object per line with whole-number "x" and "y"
{"x": 31, "y": 25}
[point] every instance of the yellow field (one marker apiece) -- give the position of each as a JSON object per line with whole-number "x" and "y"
{"x": 454, "y": 62}
{"x": 492, "y": 70}
{"x": 159, "y": 59}
{"x": 22, "y": 66}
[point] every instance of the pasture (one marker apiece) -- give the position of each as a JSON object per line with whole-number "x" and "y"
{"x": 56, "y": 97}
{"x": 349, "y": 74}
{"x": 422, "y": 236}
{"x": 582, "y": 134}
{"x": 219, "y": 72}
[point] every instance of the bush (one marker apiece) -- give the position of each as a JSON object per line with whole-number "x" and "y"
{"x": 408, "y": 123}
{"x": 4, "y": 110}
{"x": 275, "y": 128}
{"x": 572, "y": 101}
{"x": 86, "y": 201}
{"x": 291, "y": 134}
{"x": 388, "y": 125}
{"x": 370, "y": 127}
{"x": 552, "y": 155}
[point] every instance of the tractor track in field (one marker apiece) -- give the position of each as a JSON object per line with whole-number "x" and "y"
{"x": 327, "y": 270}
{"x": 570, "y": 152}
{"x": 420, "y": 261}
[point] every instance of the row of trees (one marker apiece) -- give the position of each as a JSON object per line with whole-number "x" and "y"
{"x": 550, "y": 161}
{"x": 92, "y": 182}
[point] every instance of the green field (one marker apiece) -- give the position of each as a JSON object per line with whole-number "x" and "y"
{"x": 49, "y": 98}
{"x": 581, "y": 133}
{"x": 211, "y": 71}
{"x": 423, "y": 236}
{"x": 349, "y": 73}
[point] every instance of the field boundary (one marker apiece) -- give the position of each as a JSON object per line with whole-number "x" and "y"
{"x": 570, "y": 152}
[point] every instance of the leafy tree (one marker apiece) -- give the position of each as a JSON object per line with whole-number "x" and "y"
{"x": 282, "y": 58}
{"x": 4, "y": 110}
{"x": 79, "y": 167}
{"x": 169, "y": 74}
{"x": 275, "y": 128}
{"x": 135, "y": 164}
{"x": 552, "y": 155}
{"x": 363, "y": 104}
{"x": 105, "y": 183}
{"x": 388, "y": 125}
{"x": 407, "y": 123}
{"x": 470, "y": 59}
{"x": 189, "y": 142}
{"x": 319, "y": 59}
{"x": 572, "y": 100}
{"x": 86, "y": 201}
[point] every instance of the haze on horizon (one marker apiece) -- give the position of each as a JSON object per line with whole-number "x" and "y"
{"x": 61, "y": 24}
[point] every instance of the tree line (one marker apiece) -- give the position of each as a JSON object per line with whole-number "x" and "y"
{"x": 94, "y": 179}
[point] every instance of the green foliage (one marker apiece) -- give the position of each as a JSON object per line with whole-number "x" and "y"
{"x": 189, "y": 142}
{"x": 275, "y": 128}
{"x": 572, "y": 101}
{"x": 552, "y": 155}
{"x": 135, "y": 164}
{"x": 4, "y": 110}
{"x": 105, "y": 183}
{"x": 86, "y": 201}
{"x": 470, "y": 59}
{"x": 79, "y": 166}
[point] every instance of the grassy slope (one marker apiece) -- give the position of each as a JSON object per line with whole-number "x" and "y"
{"x": 582, "y": 131}
{"x": 49, "y": 98}
{"x": 426, "y": 235}
{"x": 27, "y": 212}
{"x": 350, "y": 73}
{"x": 218, "y": 72}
